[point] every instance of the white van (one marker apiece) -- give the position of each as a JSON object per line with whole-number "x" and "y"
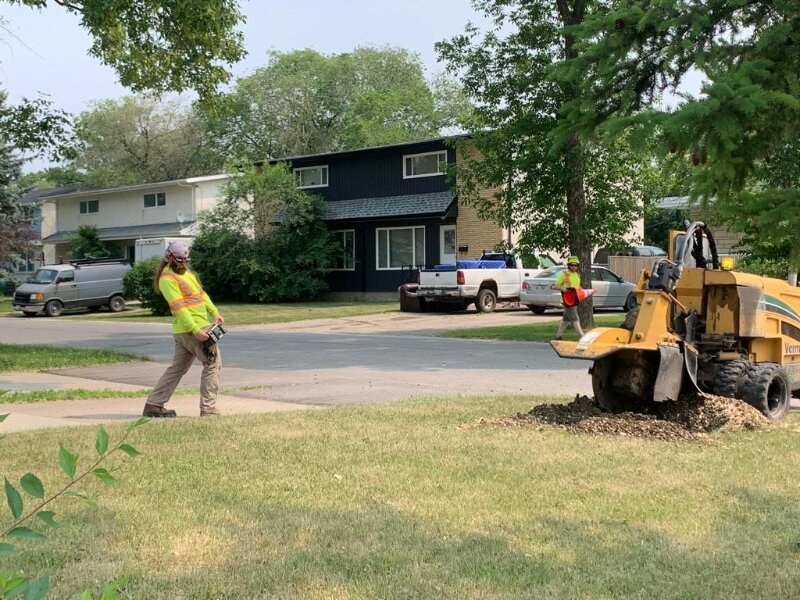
{"x": 89, "y": 283}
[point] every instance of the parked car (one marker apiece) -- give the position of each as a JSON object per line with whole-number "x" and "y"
{"x": 601, "y": 256}
{"x": 611, "y": 290}
{"x": 86, "y": 283}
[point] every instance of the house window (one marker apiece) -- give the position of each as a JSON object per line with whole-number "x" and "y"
{"x": 424, "y": 165}
{"x": 90, "y": 206}
{"x": 311, "y": 177}
{"x": 153, "y": 200}
{"x": 346, "y": 261}
{"x": 399, "y": 247}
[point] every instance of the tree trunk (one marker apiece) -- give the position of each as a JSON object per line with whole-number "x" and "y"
{"x": 572, "y": 12}
{"x": 579, "y": 245}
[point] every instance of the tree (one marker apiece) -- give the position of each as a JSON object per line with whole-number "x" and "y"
{"x": 16, "y": 232}
{"x": 304, "y": 102}
{"x": 141, "y": 139}
{"x": 562, "y": 194}
{"x": 85, "y": 243}
{"x": 243, "y": 254}
{"x": 152, "y": 45}
{"x": 748, "y": 109}
{"x": 51, "y": 177}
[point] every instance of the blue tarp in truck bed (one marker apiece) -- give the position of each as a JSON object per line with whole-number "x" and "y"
{"x": 472, "y": 264}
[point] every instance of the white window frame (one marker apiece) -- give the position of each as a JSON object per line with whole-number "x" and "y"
{"x": 415, "y": 260}
{"x": 85, "y": 203}
{"x": 321, "y": 168}
{"x": 156, "y": 196}
{"x": 442, "y": 161}
{"x": 340, "y": 234}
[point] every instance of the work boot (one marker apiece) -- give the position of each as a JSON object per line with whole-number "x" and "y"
{"x": 210, "y": 412}
{"x": 155, "y": 411}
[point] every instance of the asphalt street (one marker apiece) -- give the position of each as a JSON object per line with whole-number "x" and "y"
{"x": 324, "y": 367}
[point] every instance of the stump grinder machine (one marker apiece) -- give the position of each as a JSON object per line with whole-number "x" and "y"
{"x": 698, "y": 326}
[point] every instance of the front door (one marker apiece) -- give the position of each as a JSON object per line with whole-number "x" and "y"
{"x": 447, "y": 244}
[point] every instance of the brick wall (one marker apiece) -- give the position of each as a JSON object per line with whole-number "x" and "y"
{"x": 471, "y": 230}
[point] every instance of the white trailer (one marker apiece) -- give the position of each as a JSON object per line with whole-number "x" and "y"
{"x": 145, "y": 248}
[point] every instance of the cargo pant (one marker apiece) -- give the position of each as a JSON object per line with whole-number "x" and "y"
{"x": 187, "y": 348}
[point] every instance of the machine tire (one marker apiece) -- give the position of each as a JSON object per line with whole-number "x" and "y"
{"x": 602, "y": 377}
{"x": 486, "y": 301}
{"x": 53, "y": 308}
{"x": 729, "y": 378}
{"x": 767, "y": 387}
{"x": 630, "y": 319}
{"x": 537, "y": 310}
{"x": 630, "y": 302}
{"x": 116, "y": 304}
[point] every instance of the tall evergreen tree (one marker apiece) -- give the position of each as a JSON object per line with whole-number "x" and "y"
{"x": 746, "y": 114}
{"x": 15, "y": 221}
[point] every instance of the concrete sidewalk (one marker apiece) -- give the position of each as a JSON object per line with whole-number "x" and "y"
{"x": 66, "y": 413}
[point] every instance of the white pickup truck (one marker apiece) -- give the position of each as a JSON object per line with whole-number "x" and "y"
{"x": 494, "y": 276}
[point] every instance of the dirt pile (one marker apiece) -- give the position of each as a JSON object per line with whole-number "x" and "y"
{"x": 691, "y": 418}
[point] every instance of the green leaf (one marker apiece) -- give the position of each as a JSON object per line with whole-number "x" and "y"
{"x": 101, "y": 442}
{"x": 32, "y": 485}
{"x": 3, "y": 417}
{"x": 81, "y": 496}
{"x": 14, "y": 499}
{"x": 47, "y": 516}
{"x": 103, "y": 475}
{"x": 110, "y": 591}
{"x": 67, "y": 460}
{"x": 129, "y": 450}
{"x": 86, "y": 595}
{"x": 37, "y": 589}
{"x": 7, "y": 548}
{"x": 137, "y": 423}
{"x": 25, "y": 533}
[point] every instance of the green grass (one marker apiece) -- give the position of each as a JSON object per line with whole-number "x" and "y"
{"x": 396, "y": 501}
{"x": 257, "y": 314}
{"x": 5, "y": 304}
{"x": 24, "y": 396}
{"x": 20, "y": 357}
{"x": 543, "y": 331}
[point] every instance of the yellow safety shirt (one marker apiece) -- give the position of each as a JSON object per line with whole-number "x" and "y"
{"x": 190, "y": 305}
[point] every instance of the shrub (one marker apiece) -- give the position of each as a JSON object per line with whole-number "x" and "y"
{"x": 138, "y": 284}
{"x": 766, "y": 267}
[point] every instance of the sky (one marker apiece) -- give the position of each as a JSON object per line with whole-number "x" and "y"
{"x": 45, "y": 52}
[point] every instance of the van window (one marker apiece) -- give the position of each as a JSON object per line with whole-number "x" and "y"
{"x": 66, "y": 276}
{"x": 44, "y": 276}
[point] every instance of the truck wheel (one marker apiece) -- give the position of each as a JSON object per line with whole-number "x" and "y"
{"x": 53, "y": 308}
{"x": 729, "y": 377}
{"x": 767, "y": 388}
{"x": 630, "y": 302}
{"x": 116, "y": 304}
{"x": 486, "y": 301}
{"x": 537, "y": 310}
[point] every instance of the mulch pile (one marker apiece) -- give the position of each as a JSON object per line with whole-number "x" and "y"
{"x": 690, "y": 418}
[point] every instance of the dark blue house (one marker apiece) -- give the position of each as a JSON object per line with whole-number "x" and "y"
{"x": 393, "y": 207}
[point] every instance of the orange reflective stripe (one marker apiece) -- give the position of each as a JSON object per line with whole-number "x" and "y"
{"x": 185, "y": 289}
{"x": 185, "y": 303}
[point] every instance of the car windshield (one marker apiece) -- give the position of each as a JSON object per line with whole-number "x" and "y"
{"x": 551, "y": 272}
{"x": 44, "y": 276}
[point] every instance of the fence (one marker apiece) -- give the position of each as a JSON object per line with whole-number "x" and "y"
{"x": 630, "y": 267}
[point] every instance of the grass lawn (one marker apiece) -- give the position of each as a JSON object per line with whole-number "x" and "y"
{"x": 543, "y": 331}
{"x": 248, "y": 314}
{"x": 396, "y": 501}
{"x": 5, "y": 304}
{"x": 19, "y": 357}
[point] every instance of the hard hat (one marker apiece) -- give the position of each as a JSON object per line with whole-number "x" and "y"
{"x": 573, "y": 260}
